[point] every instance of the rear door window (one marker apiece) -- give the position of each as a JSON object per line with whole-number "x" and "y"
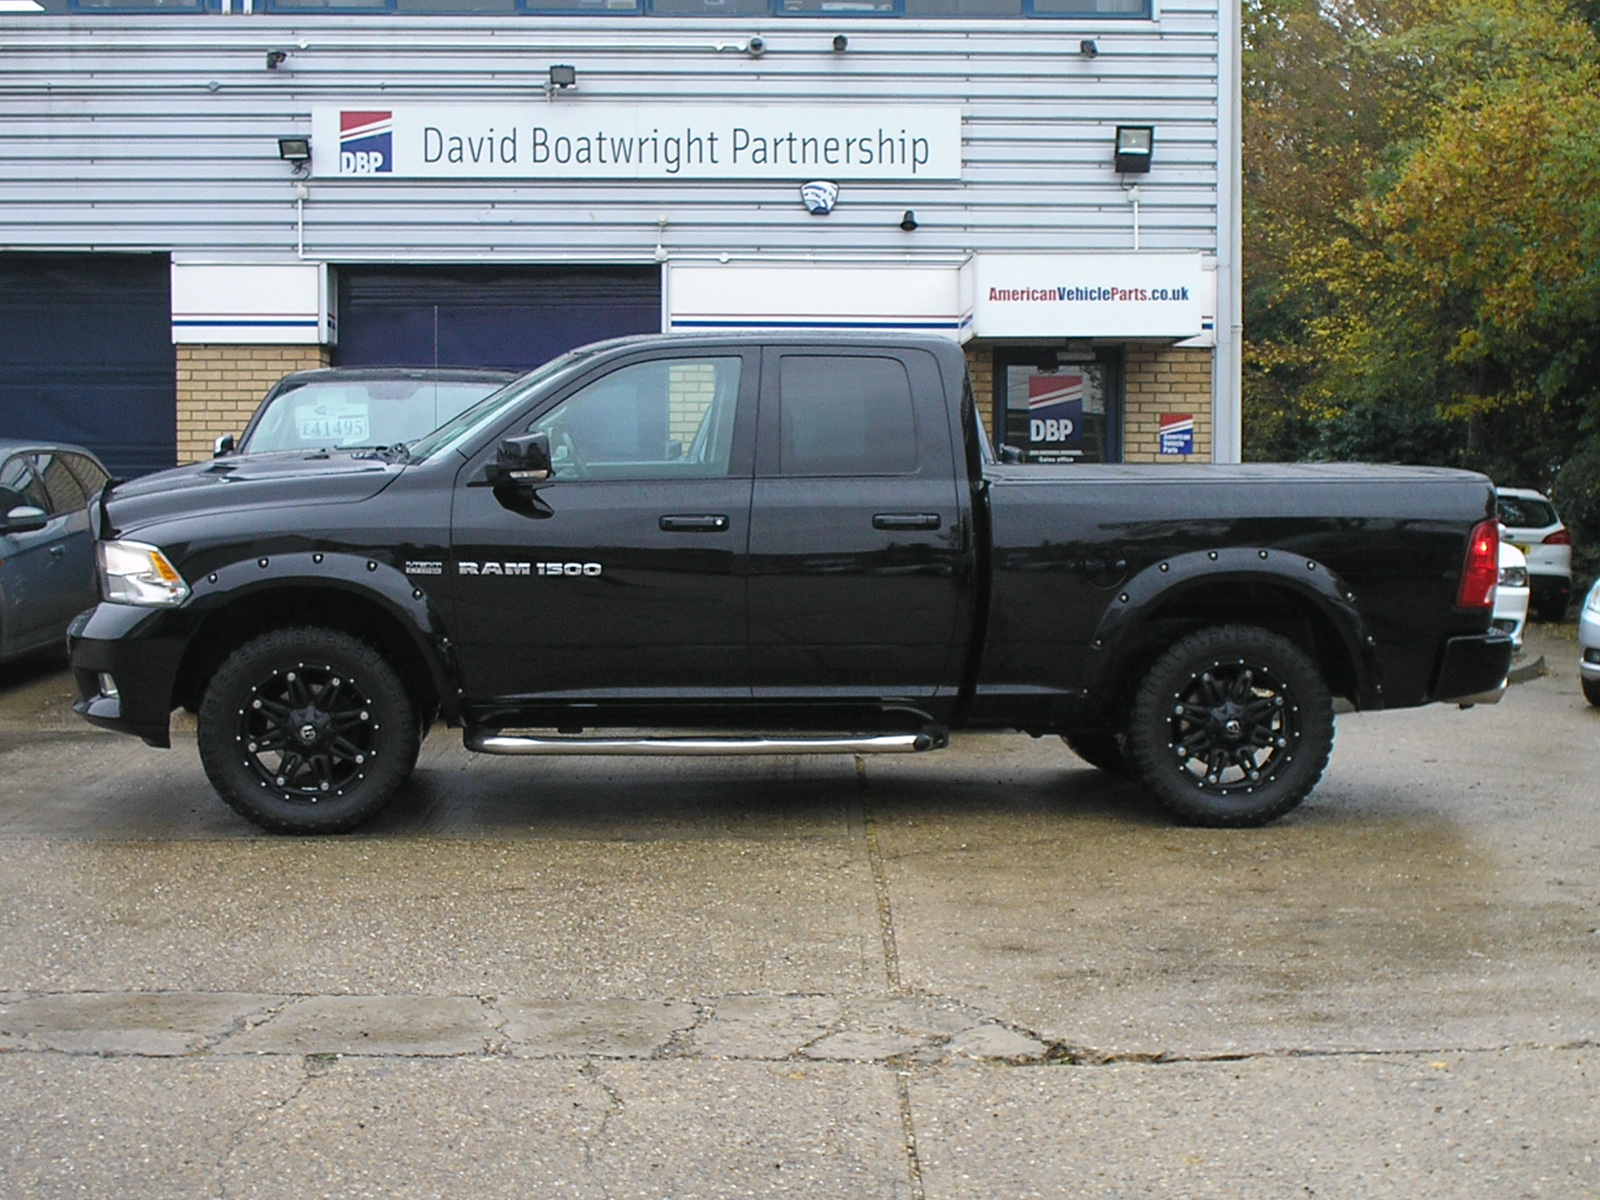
{"x": 89, "y": 472}
{"x": 845, "y": 415}
{"x": 66, "y": 493}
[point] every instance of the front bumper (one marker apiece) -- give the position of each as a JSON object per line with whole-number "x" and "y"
{"x": 1589, "y": 644}
{"x": 125, "y": 643}
{"x": 1473, "y": 669}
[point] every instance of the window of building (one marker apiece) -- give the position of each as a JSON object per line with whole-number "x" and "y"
{"x": 1059, "y": 406}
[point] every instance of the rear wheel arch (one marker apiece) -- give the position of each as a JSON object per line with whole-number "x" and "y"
{"x": 1320, "y": 619}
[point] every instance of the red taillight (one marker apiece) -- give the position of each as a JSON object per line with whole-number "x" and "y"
{"x": 1482, "y": 568}
{"x": 1559, "y": 538}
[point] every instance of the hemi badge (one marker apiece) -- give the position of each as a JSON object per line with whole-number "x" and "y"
{"x": 424, "y": 568}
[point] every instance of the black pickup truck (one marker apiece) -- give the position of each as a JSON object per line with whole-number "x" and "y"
{"x": 754, "y": 544}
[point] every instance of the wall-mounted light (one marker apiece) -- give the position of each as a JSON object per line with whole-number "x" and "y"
{"x": 296, "y": 150}
{"x": 909, "y": 221}
{"x": 756, "y": 46}
{"x": 1087, "y": 48}
{"x": 1135, "y": 145}
{"x": 563, "y": 77}
{"x": 276, "y": 59}
{"x": 840, "y": 43}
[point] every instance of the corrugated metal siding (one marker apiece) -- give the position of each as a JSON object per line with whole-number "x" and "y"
{"x": 159, "y": 132}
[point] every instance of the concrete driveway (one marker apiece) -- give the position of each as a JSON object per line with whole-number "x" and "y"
{"x": 992, "y": 972}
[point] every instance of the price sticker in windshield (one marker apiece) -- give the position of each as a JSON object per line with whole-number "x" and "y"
{"x": 332, "y": 424}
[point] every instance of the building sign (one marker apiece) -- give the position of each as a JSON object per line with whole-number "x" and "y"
{"x": 1055, "y": 416}
{"x": 572, "y": 139}
{"x": 1176, "y": 433}
{"x": 1091, "y": 295}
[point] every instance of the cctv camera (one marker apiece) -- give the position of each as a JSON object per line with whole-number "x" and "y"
{"x": 756, "y": 47}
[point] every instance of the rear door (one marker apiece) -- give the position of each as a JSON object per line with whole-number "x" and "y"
{"x": 28, "y": 566}
{"x": 73, "y": 587}
{"x": 858, "y": 551}
{"x": 624, "y": 580}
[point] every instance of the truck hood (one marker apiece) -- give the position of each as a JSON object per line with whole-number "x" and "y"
{"x": 248, "y": 481}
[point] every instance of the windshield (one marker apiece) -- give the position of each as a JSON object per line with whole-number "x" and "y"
{"x": 345, "y": 413}
{"x": 1522, "y": 512}
{"x": 491, "y": 410}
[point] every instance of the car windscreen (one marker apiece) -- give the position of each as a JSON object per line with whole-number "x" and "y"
{"x": 1519, "y": 512}
{"x": 361, "y": 412}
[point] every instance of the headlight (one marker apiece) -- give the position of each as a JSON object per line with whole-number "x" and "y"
{"x": 1593, "y": 602}
{"x": 134, "y": 573}
{"x": 1514, "y": 577}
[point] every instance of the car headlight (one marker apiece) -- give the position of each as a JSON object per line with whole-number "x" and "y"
{"x": 1514, "y": 577}
{"x": 1593, "y": 602}
{"x": 134, "y": 573}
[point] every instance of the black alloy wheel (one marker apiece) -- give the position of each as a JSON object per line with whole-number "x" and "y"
{"x": 1232, "y": 726}
{"x": 307, "y": 730}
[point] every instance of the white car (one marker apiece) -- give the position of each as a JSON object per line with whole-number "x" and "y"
{"x": 1589, "y": 645}
{"x": 1532, "y": 524}
{"x": 1511, "y": 594}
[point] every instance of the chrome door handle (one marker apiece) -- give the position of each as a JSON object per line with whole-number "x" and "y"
{"x": 58, "y": 551}
{"x": 906, "y": 521}
{"x": 696, "y": 523}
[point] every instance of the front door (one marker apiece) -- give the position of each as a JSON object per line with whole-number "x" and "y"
{"x": 30, "y": 563}
{"x": 858, "y": 551}
{"x": 623, "y": 576}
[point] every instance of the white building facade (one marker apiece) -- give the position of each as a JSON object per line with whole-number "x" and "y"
{"x": 490, "y": 182}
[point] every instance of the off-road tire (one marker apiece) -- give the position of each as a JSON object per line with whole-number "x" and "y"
{"x": 1232, "y": 726}
{"x": 307, "y": 730}
{"x": 1099, "y": 748}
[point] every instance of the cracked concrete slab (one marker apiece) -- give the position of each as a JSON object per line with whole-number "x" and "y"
{"x": 380, "y": 1025}
{"x": 764, "y": 1026}
{"x": 596, "y": 1028}
{"x": 158, "y": 1023}
{"x": 996, "y": 1042}
{"x": 854, "y": 1045}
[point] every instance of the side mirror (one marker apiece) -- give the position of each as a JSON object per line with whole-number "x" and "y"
{"x": 25, "y": 518}
{"x": 521, "y": 462}
{"x": 1010, "y": 454}
{"x": 223, "y": 446}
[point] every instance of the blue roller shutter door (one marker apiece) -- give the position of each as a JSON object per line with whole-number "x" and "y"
{"x": 86, "y": 355}
{"x": 508, "y": 317}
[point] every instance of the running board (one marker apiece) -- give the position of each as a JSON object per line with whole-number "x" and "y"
{"x": 506, "y": 743}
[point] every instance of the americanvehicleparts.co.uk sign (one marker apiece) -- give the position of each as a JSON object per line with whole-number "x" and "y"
{"x": 575, "y": 140}
{"x": 1092, "y": 295}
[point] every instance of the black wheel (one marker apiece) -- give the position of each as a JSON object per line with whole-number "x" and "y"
{"x": 1591, "y": 691}
{"x": 1231, "y": 727}
{"x": 1099, "y": 748}
{"x": 307, "y": 730}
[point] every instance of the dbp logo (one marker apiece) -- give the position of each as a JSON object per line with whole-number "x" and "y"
{"x": 366, "y": 143}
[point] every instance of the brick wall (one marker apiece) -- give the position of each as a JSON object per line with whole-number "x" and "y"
{"x": 1165, "y": 379}
{"x": 1158, "y": 379}
{"x": 219, "y": 388}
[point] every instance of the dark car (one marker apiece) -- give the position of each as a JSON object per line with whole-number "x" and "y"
{"x": 47, "y": 572}
{"x": 350, "y": 407}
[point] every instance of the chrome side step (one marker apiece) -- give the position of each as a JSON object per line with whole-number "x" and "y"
{"x": 506, "y": 743}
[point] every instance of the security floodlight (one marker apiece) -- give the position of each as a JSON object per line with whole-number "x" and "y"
{"x": 296, "y": 150}
{"x": 563, "y": 77}
{"x": 276, "y": 59}
{"x": 1135, "y": 144}
{"x": 840, "y": 42}
{"x": 1087, "y": 48}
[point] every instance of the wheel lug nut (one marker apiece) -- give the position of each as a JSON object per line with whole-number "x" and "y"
{"x": 280, "y": 780}
{"x": 253, "y": 747}
{"x": 255, "y": 704}
{"x": 360, "y": 758}
{"x": 323, "y": 786}
{"x": 366, "y": 716}
{"x": 290, "y": 676}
